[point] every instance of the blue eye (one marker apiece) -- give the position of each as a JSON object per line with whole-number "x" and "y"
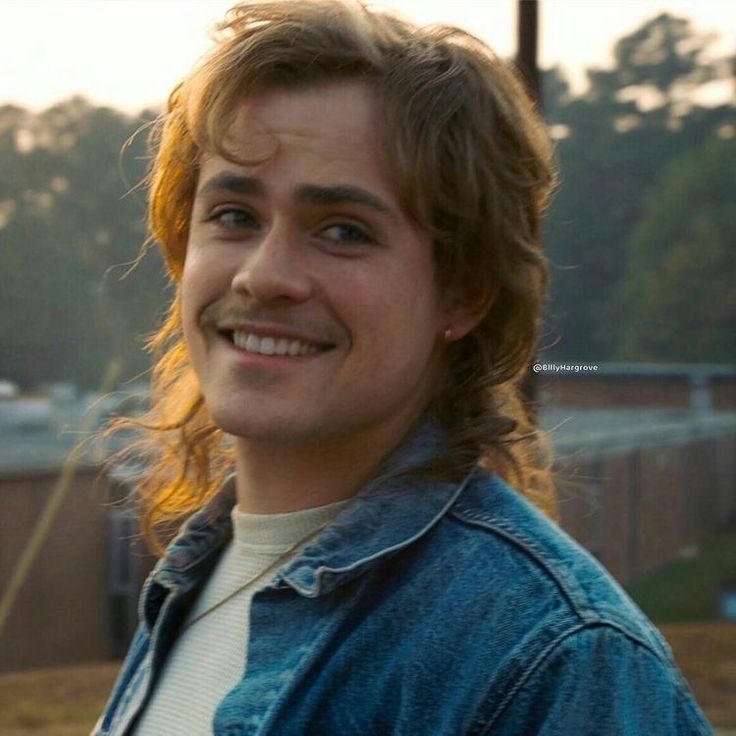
{"x": 233, "y": 219}
{"x": 348, "y": 234}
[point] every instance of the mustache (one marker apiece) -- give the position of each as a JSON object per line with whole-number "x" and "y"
{"x": 220, "y": 313}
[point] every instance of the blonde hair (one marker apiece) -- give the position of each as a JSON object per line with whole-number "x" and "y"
{"x": 472, "y": 165}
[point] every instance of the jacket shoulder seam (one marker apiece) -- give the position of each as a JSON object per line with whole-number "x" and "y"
{"x": 529, "y": 547}
{"x": 482, "y": 724}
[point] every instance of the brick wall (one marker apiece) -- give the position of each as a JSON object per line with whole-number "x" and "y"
{"x": 638, "y": 510}
{"x": 599, "y": 392}
{"x": 59, "y": 616}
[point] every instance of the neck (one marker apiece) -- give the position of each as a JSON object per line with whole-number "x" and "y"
{"x": 274, "y": 478}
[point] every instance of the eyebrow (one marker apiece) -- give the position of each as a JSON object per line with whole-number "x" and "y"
{"x": 304, "y": 194}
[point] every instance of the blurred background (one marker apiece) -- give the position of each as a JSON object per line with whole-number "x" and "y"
{"x": 637, "y": 376}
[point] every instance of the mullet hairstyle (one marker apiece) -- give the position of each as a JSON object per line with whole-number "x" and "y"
{"x": 472, "y": 165}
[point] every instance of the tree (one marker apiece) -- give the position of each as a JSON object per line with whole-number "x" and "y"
{"x": 663, "y": 54}
{"x": 619, "y": 136}
{"x": 678, "y": 293}
{"x": 67, "y": 231}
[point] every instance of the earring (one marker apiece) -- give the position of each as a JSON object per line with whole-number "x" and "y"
{"x": 448, "y": 334}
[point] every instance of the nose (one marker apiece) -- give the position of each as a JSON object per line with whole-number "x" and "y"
{"x": 273, "y": 269}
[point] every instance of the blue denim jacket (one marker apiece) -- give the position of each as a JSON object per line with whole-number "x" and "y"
{"x": 425, "y": 609}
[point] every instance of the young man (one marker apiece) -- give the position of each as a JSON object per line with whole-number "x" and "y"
{"x": 349, "y": 207}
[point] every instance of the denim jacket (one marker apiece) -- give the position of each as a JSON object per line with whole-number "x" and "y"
{"x": 425, "y": 609}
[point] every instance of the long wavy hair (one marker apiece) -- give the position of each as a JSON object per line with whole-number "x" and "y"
{"x": 472, "y": 165}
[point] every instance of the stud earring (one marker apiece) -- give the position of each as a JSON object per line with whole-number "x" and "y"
{"x": 448, "y": 334}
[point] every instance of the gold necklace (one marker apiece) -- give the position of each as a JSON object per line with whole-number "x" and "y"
{"x": 271, "y": 568}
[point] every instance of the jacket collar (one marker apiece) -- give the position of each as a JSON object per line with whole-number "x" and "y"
{"x": 387, "y": 514}
{"x": 191, "y": 554}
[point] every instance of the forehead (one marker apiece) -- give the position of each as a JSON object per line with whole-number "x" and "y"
{"x": 327, "y": 126}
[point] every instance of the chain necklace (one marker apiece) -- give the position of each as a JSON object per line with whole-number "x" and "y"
{"x": 271, "y": 568}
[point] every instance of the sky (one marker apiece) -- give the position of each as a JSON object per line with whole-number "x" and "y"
{"x": 130, "y": 53}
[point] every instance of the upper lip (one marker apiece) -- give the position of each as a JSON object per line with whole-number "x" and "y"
{"x": 273, "y": 330}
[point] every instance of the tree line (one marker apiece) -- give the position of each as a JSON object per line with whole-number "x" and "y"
{"x": 640, "y": 235}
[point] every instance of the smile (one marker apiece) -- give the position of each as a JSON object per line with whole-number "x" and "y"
{"x": 267, "y": 345}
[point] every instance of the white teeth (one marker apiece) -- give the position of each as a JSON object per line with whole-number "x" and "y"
{"x": 271, "y": 345}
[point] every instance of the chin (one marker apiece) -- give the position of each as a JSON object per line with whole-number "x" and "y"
{"x": 267, "y": 429}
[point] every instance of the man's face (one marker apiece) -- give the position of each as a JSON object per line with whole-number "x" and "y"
{"x": 310, "y": 310}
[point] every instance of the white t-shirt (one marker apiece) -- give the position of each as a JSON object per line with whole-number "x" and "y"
{"x": 209, "y": 657}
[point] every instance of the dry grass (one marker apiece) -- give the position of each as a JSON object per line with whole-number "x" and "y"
{"x": 56, "y": 701}
{"x": 706, "y": 653}
{"x": 68, "y": 701}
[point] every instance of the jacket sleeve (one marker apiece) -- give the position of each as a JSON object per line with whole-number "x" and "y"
{"x": 600, "y": 681}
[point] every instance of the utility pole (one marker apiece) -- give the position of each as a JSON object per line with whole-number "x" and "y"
{"x": 527, "y": 33}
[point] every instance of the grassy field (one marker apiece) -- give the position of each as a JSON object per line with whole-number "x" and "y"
{"x": 706, "y": 654}
{"x": 67, "y": 701}
{"x": 54, "y": 702}
{"x": 678, "y": 597}
{"x": 685, "y": 589}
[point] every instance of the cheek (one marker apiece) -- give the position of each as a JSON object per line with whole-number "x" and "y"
{"x": 392, "y": 303}
{"x": 188, "y": 300}
{"x": 201, "y": 281}
{"x": 197, "y": 291}
{"x": 395, "y": 322}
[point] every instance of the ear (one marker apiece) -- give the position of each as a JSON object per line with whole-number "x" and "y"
{"x": 464, "y": 310}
